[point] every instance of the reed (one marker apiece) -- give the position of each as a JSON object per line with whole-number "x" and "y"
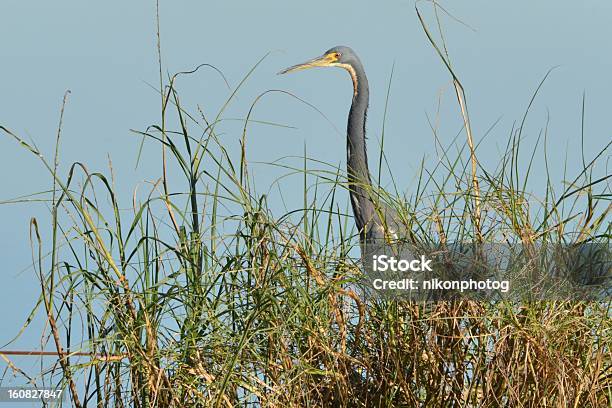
{"x": 200, "y": 295}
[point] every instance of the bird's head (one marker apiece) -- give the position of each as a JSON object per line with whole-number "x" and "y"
{"x": 339, "y": 56}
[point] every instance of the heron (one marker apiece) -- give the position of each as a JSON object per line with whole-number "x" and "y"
{"x": 375, "y": 221}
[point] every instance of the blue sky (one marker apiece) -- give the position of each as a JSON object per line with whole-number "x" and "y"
{"x": 105, "y": 53}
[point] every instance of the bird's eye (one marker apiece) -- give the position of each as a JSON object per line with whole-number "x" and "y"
{"x": 338, "y": 55}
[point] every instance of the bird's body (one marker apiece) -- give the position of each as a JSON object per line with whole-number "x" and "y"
{"x": 374, "y": 220}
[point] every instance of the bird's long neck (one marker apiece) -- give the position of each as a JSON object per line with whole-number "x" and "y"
{"x": 357, "y": 158}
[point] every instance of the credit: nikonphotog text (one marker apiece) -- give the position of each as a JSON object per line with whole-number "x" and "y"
{"x": 390, "y": 264}
{"x": 438, "y": 284}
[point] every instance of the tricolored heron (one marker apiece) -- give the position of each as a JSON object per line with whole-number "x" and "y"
{"x": 374, "y": 220}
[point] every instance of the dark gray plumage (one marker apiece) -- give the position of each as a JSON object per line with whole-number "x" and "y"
{"x": 375, "y": 221}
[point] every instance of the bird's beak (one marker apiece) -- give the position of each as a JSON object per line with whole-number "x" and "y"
{"x": 322, "y": 61}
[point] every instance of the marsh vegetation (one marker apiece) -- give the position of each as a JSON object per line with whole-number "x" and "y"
{"x": 200, "y": 295}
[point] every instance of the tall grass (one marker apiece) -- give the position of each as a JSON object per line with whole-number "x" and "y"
{"x": 201, "y": 296}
